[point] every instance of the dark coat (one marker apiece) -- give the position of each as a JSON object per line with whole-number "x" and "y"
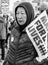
{"x": 21, "y": 49}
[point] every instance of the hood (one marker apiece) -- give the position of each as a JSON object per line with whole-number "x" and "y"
{"x": 29, "y": 11}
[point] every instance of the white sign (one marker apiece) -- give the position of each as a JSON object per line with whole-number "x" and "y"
{"x": 37, "y": 33}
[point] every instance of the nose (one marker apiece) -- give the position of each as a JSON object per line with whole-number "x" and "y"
{"x": 20, "y": 16}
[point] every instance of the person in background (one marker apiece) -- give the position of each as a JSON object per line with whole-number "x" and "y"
{"x": 2, "y": 35}
{"x": 21, "y": 50}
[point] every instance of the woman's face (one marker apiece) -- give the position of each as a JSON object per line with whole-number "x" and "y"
{"x": 21, "y": 16}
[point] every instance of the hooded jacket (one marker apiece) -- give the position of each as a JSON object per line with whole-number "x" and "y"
{"x": 29, "y": 11}
{"x": 21, "y": 49}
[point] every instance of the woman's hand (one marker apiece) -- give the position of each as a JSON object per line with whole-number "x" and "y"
{"x": 44, "y": 61}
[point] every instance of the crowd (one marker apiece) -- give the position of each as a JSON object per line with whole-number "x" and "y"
{"x": 15, "y": 45}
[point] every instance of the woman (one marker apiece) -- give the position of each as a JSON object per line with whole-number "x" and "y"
{"x": 21, "y": 50}
{"x": 2, "y": 36}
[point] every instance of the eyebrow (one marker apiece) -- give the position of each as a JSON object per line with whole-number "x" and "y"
{"x": 20, "y": 11}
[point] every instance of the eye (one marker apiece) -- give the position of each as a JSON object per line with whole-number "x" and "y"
{"x": 17, "y": 13}
{"x": 22, "y": 13}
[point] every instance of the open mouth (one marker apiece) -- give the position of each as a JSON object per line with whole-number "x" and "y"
{"x": 20, "y": 21}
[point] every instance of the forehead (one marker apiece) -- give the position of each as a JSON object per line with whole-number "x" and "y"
{"x": 20, "y": 9}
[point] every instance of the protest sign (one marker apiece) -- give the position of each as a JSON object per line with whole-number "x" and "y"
{"x": 44, "y": 19}
{"x": 37, "y": 32}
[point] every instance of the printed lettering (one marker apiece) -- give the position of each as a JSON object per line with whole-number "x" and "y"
{"x": 34, "y": 33}
{"x": 42, "y": 32}
{"x": 42, "y": 49}
{"x": 44, "y": 38}
{"x": 44, "y": 19}
{"x": 30, "y": 28}
{"x": 37, "y": 40}
{"x": 39, "y": 27}
{"x": 38, "y": 22}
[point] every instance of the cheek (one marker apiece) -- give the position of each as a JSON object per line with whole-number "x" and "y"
{"x": 25, "y": 18}
{"x": 16, "y": 16}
